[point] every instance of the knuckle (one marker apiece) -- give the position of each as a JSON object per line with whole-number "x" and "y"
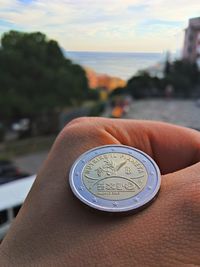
{"x": 85, "y": 133}
{"x": 79, "y": 120}
{"x": 71, "y": 134}
{"x": 82, "y": 129}
{"x": 85, "y": 121}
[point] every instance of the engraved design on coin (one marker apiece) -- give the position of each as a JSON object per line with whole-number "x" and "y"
{"x": 114, "y": 176}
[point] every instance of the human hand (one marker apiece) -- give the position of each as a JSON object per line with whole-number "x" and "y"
{"x": 54, "y": 229}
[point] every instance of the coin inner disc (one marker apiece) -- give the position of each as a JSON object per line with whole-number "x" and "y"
{"x": 114, "y": 176}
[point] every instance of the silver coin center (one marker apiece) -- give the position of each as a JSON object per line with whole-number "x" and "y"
{"x": 114, "y": 176}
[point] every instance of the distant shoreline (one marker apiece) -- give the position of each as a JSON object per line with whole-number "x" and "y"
{"x": 116, "y": 64}
{"x": 113, "y": 52}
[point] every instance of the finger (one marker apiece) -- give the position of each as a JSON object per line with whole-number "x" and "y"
{"x": 172, "y": 147}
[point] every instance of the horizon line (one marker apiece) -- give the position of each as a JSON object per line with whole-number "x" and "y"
{"x": 138, "y": 52}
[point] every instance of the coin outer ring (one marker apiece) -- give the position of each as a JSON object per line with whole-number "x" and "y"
{"x": 138, "y": 201}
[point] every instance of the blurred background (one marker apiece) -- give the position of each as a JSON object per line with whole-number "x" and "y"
{"x": 65, "y": 59}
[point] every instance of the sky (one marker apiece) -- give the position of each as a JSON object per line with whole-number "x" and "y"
{"x": 103, "y": 25}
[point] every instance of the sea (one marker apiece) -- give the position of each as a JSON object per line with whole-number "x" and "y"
{"x": 118, "y": 64}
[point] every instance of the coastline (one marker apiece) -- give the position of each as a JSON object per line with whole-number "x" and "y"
{"x": 123, "y": 65}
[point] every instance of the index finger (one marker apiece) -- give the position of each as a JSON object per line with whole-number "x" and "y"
{"x": 172, "y": 147}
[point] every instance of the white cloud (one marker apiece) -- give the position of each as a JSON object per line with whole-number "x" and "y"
{"x": 103, "y": 24}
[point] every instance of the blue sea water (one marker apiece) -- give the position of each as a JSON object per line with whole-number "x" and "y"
{"x": 118, "y": 64}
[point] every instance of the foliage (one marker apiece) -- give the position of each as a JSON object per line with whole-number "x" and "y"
{"x": 97, "y": 109}
{"x": 143, "y": 85}
{"x": 118, "y": 91}
{"x": 2, "y": 132}
{"x": 93, "y": 94}
{"x": 35, "y": 77}
{"x": 183, "y": 76}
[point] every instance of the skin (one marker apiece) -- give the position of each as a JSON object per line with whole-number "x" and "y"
{"x": 54, "y": 229}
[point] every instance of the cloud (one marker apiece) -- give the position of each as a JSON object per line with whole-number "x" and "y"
{"x": 138, "y": 8}
{"x": 102, "y": 25}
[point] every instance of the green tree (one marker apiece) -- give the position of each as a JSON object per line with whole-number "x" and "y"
{"x": 119, "y": 91}
{"x": 35, "y": 77}
{"x": 184, "y": 77}
{"x": 143, "y": 85}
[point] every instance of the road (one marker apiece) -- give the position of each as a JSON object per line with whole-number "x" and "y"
{"x": 181, "y": 112}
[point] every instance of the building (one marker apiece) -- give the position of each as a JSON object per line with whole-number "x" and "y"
{"x": 191, "y": 50}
